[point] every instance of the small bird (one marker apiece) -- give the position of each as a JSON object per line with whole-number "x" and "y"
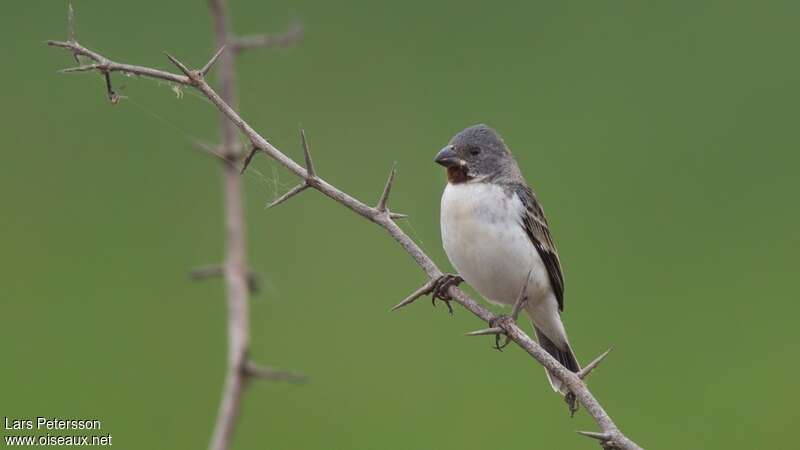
{"x": 496, "y": 236}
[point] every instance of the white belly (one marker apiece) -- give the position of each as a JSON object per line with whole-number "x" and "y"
{"x": 486, "y": 243}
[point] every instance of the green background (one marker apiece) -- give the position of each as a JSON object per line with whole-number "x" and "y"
{"x": 661, "y": 138}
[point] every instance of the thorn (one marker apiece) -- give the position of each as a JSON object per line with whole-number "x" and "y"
{"x": 204, "y": 71}
{"x": 253, "y": 282}
{"x": 424, "y": 290}
{"x": 572, "y": 403}
{"x": 249, "y": 158}
{"x": 292, "y": 35}
{"x": 212, "y": 151}
{"x": 521, "y": 297}
{"x": 486, "y": 331}
{"x": 595, "y": 435}
{"x": 113, "y": 97}
{"x": 62, "y": 44}
{"x": 252, "y": 370}
{"x": 85, "y": 68}
{"x": 386, "y": 190}
{"x": 180, "y": 66}
{"x": 394, "y": 215}
{"x": 71, "y": 23}
{"x": 591, "y": 366}
{"x": 310, "y": 172}
{"x": 205, "y": 272}
{"x": 289, "y": 194}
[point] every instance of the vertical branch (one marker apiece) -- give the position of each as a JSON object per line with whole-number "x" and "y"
{"x": 235, "y": 265}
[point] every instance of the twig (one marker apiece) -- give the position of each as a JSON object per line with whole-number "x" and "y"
{"x": 569, "y": 379}
{"x": 205, "y": 272}
{"x": 252, "y": 370}
{"x": 292, "y": 36}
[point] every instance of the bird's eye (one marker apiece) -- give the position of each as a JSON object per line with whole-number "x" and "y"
{"x": 474, "y": 151}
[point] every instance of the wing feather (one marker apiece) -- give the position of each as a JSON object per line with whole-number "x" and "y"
{"x": 535, "y": 225}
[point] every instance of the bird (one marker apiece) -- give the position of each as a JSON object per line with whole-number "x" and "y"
{"x": 496, "y": 236}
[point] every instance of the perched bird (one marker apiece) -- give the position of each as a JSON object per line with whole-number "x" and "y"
{"x": 496, "y": 236}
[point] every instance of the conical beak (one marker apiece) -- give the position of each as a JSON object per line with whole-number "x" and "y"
{"x": 448, "y": 158}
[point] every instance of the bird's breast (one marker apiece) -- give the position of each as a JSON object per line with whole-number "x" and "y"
{"x": 484, "y": 240}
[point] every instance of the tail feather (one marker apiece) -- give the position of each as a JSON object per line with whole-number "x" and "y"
{"x": 566, "y": 357}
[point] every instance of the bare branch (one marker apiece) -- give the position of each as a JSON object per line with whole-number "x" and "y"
{"x": 590, "y": 367}
{"x": 394, "y": 215}
{"x": 238, "y": 282}
{"x": 292, "y": 36}
{"x": 106, "y": 64}
{"x": 289, "y": 194}
{"x": 381, "y": 207}
{"x": 228, "y": 410}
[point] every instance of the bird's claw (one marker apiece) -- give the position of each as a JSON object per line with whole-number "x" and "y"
{"x": 441, "y": 287}
{"x": 496, "y": 323}
{"x": 572, "y": 403}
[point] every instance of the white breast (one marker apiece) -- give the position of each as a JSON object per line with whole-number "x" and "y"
{"x": 486, "y": 243}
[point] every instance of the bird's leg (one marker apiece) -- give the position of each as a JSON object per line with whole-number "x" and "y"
{"x": 522, "y": 298}
{"x": 495, "y": 322}
{"x": 441, "y": 287}
{"x": 572, "y": 403}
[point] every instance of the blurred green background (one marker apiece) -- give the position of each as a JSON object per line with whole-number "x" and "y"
{"x": 662, "y": 139}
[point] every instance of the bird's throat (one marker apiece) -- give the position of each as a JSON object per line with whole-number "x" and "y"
{"x": 457, "y": 174}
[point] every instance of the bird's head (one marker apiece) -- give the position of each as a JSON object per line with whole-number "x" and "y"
{"x": 475, "y": 153}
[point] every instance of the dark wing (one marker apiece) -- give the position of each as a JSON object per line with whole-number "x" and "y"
{"x": 535, "y": 225}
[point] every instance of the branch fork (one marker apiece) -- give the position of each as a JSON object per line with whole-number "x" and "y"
{"x": 310, "y": 179}
{"x": 196, "y": 77}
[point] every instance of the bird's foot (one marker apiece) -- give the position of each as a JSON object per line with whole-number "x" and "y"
{"x": 441, "y": 287}
{"x": 495, "y": 323}
{"x": 572, "y": 403}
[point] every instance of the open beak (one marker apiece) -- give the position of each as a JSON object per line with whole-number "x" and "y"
{"x": 448, "y": 158}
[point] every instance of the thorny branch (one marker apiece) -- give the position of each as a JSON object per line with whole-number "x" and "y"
{"x": 239, "y": 280}
{"x": 610, "y": 436}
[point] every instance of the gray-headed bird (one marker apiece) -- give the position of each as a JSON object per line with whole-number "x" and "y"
{"x": 496, "y": 236}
